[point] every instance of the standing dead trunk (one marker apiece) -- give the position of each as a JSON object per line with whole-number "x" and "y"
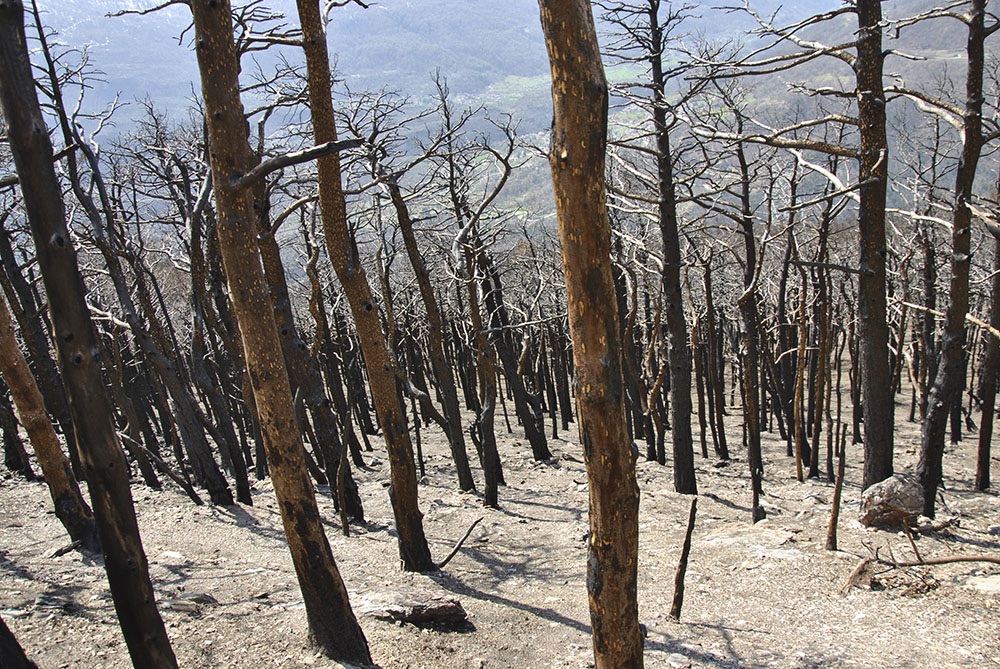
{"x": 343, "y": 252}
{"x": 877, "y": 402}
{"x": 991, "y": 369}
{"x": 435, "y": 339}
{"x": 332, "y": 624}
{"x": 950, "y": 378}
{"x": 15, "y": 457}
{"x": 70, "y": 507}
{"x": 486, "y": 369}
{"x": 526, "y": 403}
{"x": 716, "y": 389}
{"x": 78, "y": 349}
{"x": 32, "y": 327}
{"x": 576, "y": 157}
{"x": 304, "y": 375}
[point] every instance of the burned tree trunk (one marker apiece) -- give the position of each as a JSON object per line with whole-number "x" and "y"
{"x": 991, "y": 370}
{"x": 576, "y": 157}
{"x": 70, "y": 507}
{"x": 950, "y": 378}
{"x": 877, "y": 403}
{"x": 332, "y": 624}
{"x": 78, "y": 349}
{"x": 343, "y": 252}
{"x": 435, "y": 338}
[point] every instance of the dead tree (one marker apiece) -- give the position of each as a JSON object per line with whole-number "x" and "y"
{"x": 343, "y": 251}
{"x": 951, "y": 369}
{"x": 865, "y": 57}
{"x": 576, "y": 157}
{"x": 332, "y": 624}
{"x": 643, "y": 35}
{"x": 70, "y": 507}
{"x": 78, "y": 349}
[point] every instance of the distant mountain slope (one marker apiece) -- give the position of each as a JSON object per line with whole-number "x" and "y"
{"x": 490, "y": 50}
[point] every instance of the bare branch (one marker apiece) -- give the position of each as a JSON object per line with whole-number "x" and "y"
{"x": 289, "y": 159}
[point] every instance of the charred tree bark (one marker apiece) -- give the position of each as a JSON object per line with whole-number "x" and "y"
{"x": 950, "y": 378}
{"x": 576, "y": 157}
{"x": 70, "y": 507}
{"x": 332, "y": 624}
{"x": 877, "y": 403}
{"x": 32, "y": 326}
{"x": 526, "y": 403}
{"x": 304, "y": 377}
{"x": 78, "y": 348}
{"x": 343, "y": 252}
{"x": 11, "y": 653}
{"x": 435, "y": 339}
{"x": 716, "y": 391}
{"x": 677, "y": 351}
{"x": 15, "y": 457}
{"x": 991, "y": 370}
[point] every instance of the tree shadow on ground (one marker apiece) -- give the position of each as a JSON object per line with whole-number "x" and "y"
{"x": 459, "y": 587}
{"x": 731, "y": 659}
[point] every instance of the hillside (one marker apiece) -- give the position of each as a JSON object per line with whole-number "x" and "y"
{"x": 765, "y": 595}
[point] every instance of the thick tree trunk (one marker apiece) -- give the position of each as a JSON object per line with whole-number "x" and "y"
{"x": 11, "y": 654}
{"x": 332, "y": 624}
{"x": 78, "y": 348}
{"x": 70, "y": 507}
{"x": 343, "y": 252}
{"x": 579, "y": 135}
{"x": 950, "y": 379}
{"x": 877, "y": 403}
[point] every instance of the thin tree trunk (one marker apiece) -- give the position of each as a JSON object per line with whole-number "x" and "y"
{"x": 991, "y": 370}
{"x": 343, "y": 252}
{"x": 435, "y": 336}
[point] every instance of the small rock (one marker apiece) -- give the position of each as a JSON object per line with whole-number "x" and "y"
{"x": 179, "y": 605}
{"x": 50, "y": 602}
{"x": 199, "y": 598}
{"x": 986, "y": 584}
{"x": 419, "y": 607}
{"x": 893, "y": 502}
{"x": 678, "y": 661}
{"x": 14, "y": 613}
{"x": 994, "y": 530}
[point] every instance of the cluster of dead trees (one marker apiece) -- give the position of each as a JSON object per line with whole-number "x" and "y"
{"x": 288, "y": 278}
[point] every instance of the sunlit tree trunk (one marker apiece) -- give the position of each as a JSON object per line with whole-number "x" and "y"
{"x": 343, "y": 252}
{"x": 579, "y": 136}
{"x": 332, "y": 624}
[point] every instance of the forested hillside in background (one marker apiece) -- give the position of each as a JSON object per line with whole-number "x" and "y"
{"x": 418, "y": 256}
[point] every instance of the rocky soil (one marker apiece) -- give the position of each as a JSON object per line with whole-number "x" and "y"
{"x": 765, "y": 595}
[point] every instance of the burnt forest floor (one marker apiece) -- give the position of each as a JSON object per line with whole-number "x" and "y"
{"x": 765, "y": 595}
